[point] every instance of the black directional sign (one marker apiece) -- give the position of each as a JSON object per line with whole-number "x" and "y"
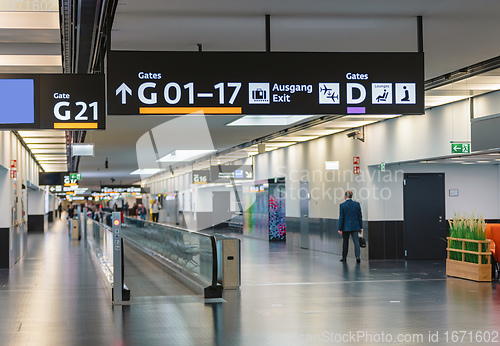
{"x": 141, "y": 83}
{"x": 72, "y": 102}
{"x": 52, "y": 101}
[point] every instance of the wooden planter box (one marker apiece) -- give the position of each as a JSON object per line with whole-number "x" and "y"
{"x": 467, "y": 270}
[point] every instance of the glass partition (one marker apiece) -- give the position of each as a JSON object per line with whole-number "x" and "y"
{"x": 192, "y": 251}
{"x": 100, "y": 240}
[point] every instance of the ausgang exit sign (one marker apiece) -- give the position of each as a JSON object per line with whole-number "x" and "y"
{"x": 460, "y": 148}
{"x": 277, "y": 83}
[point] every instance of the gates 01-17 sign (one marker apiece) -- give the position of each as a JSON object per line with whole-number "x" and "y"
{"x": 265, "y": 83}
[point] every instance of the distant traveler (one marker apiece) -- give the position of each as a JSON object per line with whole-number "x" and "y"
{"x": 350, "y": 223}
{"x": 59, "y": 210}
{"x": 156, "y": 211}
{"x": 70, "y": 211}
{"x": 142, "y": 211}
{"x": 125, "y": 209}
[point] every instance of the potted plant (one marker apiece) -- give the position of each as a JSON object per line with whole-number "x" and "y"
{"x": 468, "y": 251}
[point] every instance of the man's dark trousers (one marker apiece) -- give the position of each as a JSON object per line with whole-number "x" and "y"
{"x": 345, "y": 244}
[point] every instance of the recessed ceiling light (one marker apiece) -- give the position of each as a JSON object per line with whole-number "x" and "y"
{"x": 467, "y": 163}
{"x": 268, "y": 120}
{"x": 294, "y": 138}
{"x": 279, "y": 144}
{"x": 483, "y": 161}
{"x": 147, "y": 171}
{"x": 185, "y": 155}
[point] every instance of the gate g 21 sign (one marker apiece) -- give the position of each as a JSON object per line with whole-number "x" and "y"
{"x": 265, "y": 83}
{"x": 50, "y": 101}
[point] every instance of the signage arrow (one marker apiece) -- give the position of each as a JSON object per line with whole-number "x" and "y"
{"x": 124, "y": 89}
{"x": 248, "y": 175}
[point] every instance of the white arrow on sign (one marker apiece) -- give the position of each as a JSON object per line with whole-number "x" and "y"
{"x": 52, "y": 189}
{"x": 248, "y": 175}
{"x": 124, "y": 89}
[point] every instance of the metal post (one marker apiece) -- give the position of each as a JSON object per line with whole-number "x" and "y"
{"x": 79, "y": 216}
{"x": 117, "y": 258}
{"x": 268, "y": 33}
{"x": 85, "y": 226}
{"x": 420, "y": 34}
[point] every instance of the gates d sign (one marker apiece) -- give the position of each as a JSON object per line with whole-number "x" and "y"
{"x": 265, "y": 83}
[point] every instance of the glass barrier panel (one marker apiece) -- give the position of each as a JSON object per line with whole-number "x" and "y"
{"x": 100, "y": 240}
{"x": 192, "y": 251}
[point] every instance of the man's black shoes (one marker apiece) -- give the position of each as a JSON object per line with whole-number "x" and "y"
{"x": 358, "y": 260}
{"x": 342, "y": 260}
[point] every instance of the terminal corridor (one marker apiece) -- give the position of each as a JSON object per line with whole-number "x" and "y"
{"x": 54, "y": 296}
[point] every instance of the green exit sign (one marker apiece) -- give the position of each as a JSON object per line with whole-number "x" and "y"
{"x": 460, "y": 148}
{"x": 75, "y": 176}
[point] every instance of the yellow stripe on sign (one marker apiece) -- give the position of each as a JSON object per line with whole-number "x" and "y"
{"x": 189, "y": 110}
{"x": 75, "y": 126}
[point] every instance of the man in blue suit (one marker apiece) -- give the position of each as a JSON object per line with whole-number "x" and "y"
{"x": 350, "y": 222}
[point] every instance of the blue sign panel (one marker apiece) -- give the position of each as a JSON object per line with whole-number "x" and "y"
{"x": 17, "y": 105}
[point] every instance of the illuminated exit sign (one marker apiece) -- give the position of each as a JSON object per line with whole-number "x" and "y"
{"x": 460, "y": 148}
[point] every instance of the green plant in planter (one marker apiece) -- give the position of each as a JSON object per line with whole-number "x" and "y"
{"x": 467, "y": 227}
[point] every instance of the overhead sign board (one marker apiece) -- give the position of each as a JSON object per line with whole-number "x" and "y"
{"x": 63, "y": 189}
{"x": 52, "y": 178}
{"x": 123, "y": 189}
{"x": 201, "y": 176}
{"x": 141, "y": 83}
{"x": 52, "y": 101}
{"x": 226, "y": 173}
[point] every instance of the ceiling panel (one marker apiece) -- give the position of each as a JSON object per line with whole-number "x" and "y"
{"x": 296, "y": 25}
{"x": 463, "y": 89}
{"x": 322, "y": 25}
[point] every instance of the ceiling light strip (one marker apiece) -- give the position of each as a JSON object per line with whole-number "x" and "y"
{"x": 463, "y": 73}
{"x": 23, "y": 143}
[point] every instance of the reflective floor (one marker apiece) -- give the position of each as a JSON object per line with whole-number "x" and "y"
{"x": 53, "y": 296}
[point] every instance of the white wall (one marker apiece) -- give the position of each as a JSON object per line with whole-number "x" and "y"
{"x": 5, "y": 200}
{"x": 478, "y": 187}
{"x": 27, "y": 170}
{"x": 488, "y": 104}
{"x": 36, "y": 202}
{"x": 396, "y": 140}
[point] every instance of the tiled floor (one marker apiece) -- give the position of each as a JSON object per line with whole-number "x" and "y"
{"x": 53, "y": 296}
